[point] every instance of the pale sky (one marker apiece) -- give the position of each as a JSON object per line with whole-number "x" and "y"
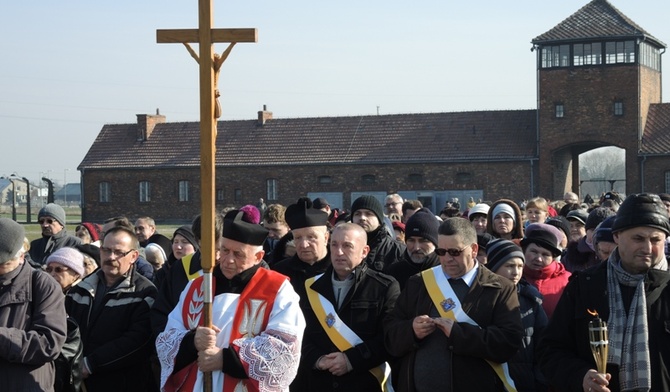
{"x": 69, "y": 67}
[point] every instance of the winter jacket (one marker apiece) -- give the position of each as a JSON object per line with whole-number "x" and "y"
{"x": 298, "y": 272}
{"x": 364, "y": 309}
{"x": 565, "y": 353}
{"x": 524, "y": 366}
{"x": 491, "y": 302}
{"x": 39, "y": 253}
{"x": 384, "y": 249}
{"x": 32, "y": 329}
{"x": 550, "y": 281}
{"x": 117, "y": 334}
{"x": 579, "y": 256}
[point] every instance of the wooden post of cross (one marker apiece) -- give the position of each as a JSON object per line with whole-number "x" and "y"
{"x": 210, "y": 63}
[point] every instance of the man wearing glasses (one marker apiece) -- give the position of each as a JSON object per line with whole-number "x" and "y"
{"x": 393, "y": 205}
{"x": 111, "y": 307}
{"x": 54, "y": 236}
{"x": 455, "y": 325}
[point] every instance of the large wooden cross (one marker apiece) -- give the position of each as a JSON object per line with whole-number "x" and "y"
{"x": 210, "y": 64}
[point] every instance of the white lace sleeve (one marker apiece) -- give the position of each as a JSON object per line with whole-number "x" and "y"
{"x": 167, "y": 346}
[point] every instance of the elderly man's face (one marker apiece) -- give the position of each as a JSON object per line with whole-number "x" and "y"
{"x": 311, "y": 243}
{"x": 640, "y": 248}
{"x": 419, "y": 248}
{"x": 463, "y": 262}
{"x": 393, "y": 205}
{"x": 236, "y": 257}
{"x": 143, "y": 230}
{"x": 49, "y": 226}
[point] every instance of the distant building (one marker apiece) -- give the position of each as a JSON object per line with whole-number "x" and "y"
{"x": 70, "y": 194}
{"x": 599, "y": 84}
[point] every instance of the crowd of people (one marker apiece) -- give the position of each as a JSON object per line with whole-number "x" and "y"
{"x": 489, "y": 296}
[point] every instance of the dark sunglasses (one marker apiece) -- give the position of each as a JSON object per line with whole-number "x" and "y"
{"x": 58, "y": 270}
{"x": 47, "y": 221}
{"x": 452, "y": 252}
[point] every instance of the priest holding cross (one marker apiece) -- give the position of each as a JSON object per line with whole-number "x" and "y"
{"x": 242, "y": 330}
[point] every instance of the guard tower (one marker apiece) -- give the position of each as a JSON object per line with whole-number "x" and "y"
{"x": 597, "y": 74}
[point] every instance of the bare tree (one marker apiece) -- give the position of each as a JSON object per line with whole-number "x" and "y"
{"x": 597, "y": 168}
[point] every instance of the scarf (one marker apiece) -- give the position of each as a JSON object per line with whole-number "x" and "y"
{"x": 628, "y": 333}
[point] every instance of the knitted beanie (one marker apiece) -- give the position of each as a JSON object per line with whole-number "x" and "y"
{"x": 596, "y": 216}
{"x": 70, "y": 258}
{"x": 561, "y": 222}
{"x": 53, "y": 210}
{"x": 499, "y": 251}
{"x": 371, "y": 203}
{"x": 11, "y": 239}
{"x": 506, "y": 208}
{"x": 483, "y": 240}
{"x": 603, "y": 232}
{"x": 422, "y": 224}
{"x": 186, "y": 232}
{"x": 93, "y": 229}
{"x": 644, "y": 209}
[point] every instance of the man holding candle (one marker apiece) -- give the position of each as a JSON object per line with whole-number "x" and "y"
{"x": 630, "y": 293}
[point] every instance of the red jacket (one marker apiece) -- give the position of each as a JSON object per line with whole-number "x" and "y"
{"x": 550, "y": 281}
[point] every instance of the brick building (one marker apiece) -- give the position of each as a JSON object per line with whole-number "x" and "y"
{"x": 599, "y": 84}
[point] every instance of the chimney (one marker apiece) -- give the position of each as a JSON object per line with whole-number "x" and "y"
{"x": 146, "y": 124}
{"x": 264, "y": 116}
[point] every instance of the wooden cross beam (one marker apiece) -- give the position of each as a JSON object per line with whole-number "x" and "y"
{"x": 210, "y": 64}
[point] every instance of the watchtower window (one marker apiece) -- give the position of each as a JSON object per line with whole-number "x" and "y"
{"x": 620, "y": 52}
{"x": 559, "y": 110}
{"x": 618, "y": 108}
{"x": 556, "y": 56}
{"x": 587, "y": 54}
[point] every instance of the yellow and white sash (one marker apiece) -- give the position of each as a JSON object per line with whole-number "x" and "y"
{"x": 447, "y": 304}
{"x": 339, "y": 333}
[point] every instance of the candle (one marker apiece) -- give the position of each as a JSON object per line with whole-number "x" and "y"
{"x": 598, "y": 340}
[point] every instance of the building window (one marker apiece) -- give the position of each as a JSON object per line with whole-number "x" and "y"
{"x": 415, "y": 178}
{"x": 462, "y": 177}
{"x": 238, "y": 195}
{"x": 271, "y": 187}
{"x": 587, "y": 54}
{"x": 219, "y": 195}
{"x": 559, "y": 110}
{"x": 324, "y": 180}
{"x": 145, "y": 191}
{"x": 620, "y": 52}
{"x": 650, "y": 56}
{"x": 556, "y": 56}
{"x": 368, "y": 179}
{"x": 183, "y": 190}
{"x": 618, "y": 108}
{"x": 104, "y": 190}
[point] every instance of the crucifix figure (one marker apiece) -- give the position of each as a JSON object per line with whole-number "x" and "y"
{"x": 209, "y": 64}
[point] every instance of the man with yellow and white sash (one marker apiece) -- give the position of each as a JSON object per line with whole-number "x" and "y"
{"x": 343, "y": 349}
{"x": 455, "y": 325}
{"x": 254, "y": 344}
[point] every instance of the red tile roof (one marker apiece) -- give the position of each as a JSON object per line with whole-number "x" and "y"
{"x": 402, "y": 138}
{"x": 597, "y": 20}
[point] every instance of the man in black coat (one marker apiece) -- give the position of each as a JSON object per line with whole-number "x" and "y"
{"x": 310, "y": 235}
{"x": 343, "y": 348}
{"x": 367, "y": 212}
{"x": 630, "y": 293}
{"x": 421, "y": 240}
